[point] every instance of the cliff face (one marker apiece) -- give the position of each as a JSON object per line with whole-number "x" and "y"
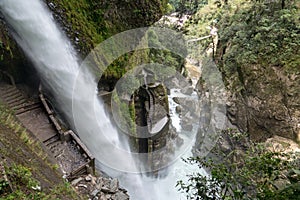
{"x": 12, "y": 59}
{"x": 259, "y": 58}
{"x": 258, "y": 54}
{"x": 89, "y": 22}
{"x": 268, "y": 104}
{"x": 86, "y": 23}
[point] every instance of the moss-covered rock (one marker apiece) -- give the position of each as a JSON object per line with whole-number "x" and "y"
{"x": 86, "y": 23}
{"x": 258, "y": 54}
{"x": 89, "y": 22}
{"x": 12, "y": 59}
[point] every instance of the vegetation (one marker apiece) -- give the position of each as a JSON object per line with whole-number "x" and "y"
{"x": 252, "y": 32}
{"x": 263, "y": 33}
{"x": 27, "y": 187}
{"x": 248, "y": 171}
{"x": 89, "y": 22}
{"x": 124, "y": 113}
{"x": 31, "y": 173}
{"x": 184, "y": 6}
{"x": 83, "y": 18}
{"x": 5, "y": 49}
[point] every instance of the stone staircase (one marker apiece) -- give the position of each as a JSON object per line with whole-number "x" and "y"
{"x": 54, "y": 145}
{"x": 30, "y": 112}
{"x": 16, "y": 100}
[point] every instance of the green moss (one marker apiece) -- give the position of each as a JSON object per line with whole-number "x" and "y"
{"x": 92, "y": 21}
{"x": 127, "y": 113}
{"x": 1, "y": 49}
{"x": 84, "y": 19}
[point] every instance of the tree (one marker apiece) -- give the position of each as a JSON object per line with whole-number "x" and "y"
{"x": 247, "y": 172}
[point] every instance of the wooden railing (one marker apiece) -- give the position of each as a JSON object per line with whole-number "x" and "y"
{"x": 69, "y": 136}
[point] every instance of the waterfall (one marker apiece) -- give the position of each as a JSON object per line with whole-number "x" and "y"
{"x": 53, "y": 56}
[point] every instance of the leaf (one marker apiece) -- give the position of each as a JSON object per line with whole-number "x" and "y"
{"x": 296, "y": 171}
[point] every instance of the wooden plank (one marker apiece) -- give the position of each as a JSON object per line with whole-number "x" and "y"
{"x": 28, "y": 104}
{"x": 44, "y": 102}
{"x": 55, "y": 122}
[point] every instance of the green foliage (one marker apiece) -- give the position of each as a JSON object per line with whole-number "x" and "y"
{"x": 7, "y": 118}
{"x": 198, "y": 26}
{"x": 86, "y": 18}
{"x": 117, "y": 69}
{"x": 125, "y": 113}
{"x": 251, "y": 172}
{"x": 21, "y": 176}
{"x": 164, "y": 57}
{"x": 61, "y": 191}
{"x": 261, "y": 33}
{"x": 26, "y": 187}
{"x": 170, "y": 8}
{"x": 187, "y": 6}
{"x": 3, "y": 186}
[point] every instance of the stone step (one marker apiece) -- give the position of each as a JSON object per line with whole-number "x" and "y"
{"x": 17, "y": 101}
{"x": 54, "y": 144}
{"x": 11, "y": 96}
{"x": 7, "y": 88}
{"x": 58, "y": 153}
{"x": 26, "y": 105}
{"x": 28, "y": 108}
{"x": 57, "y": 148}
{"x": 51, "y": 140}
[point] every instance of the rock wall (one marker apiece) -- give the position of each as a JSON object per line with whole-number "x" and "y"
{"x": 258, "y": 56}
{"x": 142, "y": 113}
{"x": 87, "y": 23}
{"x": 12, "y": 58}
{"x": 268, "y": 104}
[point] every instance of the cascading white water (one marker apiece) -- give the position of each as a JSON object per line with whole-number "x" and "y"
{"x": 53, "y": 56}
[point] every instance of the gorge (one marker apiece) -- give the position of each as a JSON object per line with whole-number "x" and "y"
{"x": 61, "y": 76}
{"x": 157, "y": 113}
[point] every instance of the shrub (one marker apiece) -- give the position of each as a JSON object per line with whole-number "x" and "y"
{"x": 250, "y": 173}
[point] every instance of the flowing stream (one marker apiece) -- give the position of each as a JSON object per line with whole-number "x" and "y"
{"x": 53, "y": 56}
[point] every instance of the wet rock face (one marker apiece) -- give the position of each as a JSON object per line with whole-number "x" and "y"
{"x": 102, "y": 19}
{"x": 12, "y": 58}
{"x": 159, "y": 107}
{"x": 264, "y": 101}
